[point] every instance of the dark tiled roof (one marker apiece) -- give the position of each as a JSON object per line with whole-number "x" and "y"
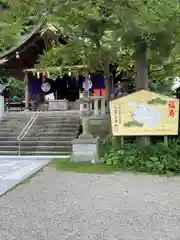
{"x": 22, "y": 41}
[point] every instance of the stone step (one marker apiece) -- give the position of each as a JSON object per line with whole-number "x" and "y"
{"x": 9, "y": 130}
{"x": 6, "y": 138}
{"x": 37, "y": 138}
{"x": 47, "y": 117}
{"x": 55, "y": 124}
{"x": 38, "y": 148}
{"x": 35, "y": 143}
{"x": 19, "y": 114}
{"x": 74, "y": 117}
{"x": 14, "y": 122}
{"x": 56, "y": 130}
{"x": 36, "y": 153}
{"x": 47, "y": 153}
{"x": 68, "y": 126}
{"x": 68, "y": 113}
{"x": 13, "y": 127}
{"x": 9, "y": 134}
{"x": 49, "y": 138}
{"x": 45, "y": 114}
{"x": 59, "y": 114}
{"x": 16, "y": 118}
{"x": 58, "y": 121}
{"x": 11, "y": 118}
{"x": 44, "y": 121}
{"x": 52, "y": 134}
{"x": 40, "y": 133}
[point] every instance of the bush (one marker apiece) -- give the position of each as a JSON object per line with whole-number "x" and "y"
{"x": 158, "y": 158}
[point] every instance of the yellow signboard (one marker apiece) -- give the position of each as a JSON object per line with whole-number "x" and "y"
{"x": 144, "y": 113}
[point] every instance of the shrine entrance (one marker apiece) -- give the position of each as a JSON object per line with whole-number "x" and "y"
{"x": 69, "y": 94}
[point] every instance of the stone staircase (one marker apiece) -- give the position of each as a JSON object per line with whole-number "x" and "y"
{"x": 51, "y": 134}
{"x": 10, "y": 127}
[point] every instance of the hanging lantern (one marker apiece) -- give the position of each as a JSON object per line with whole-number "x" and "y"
{"x": 38, "y": 75}
{"x": 17, "y": 55}
{"x": 69, "y": 73}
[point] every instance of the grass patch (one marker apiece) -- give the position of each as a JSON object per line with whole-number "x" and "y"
{"x": 65, "y": 164}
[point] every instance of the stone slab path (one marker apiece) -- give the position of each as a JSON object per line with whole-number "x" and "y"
{"x": 16, "y": 169}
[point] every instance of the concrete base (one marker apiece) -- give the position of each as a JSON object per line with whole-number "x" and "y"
{"x": 85, "y": 150}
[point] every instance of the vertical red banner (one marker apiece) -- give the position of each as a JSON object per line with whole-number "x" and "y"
{"x": 96, "y": 92}
{"x": 103, "y": 92}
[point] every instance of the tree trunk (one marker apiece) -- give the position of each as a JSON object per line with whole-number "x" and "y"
{"x": 141, "y": 82}
{"x": 107, "y": 82}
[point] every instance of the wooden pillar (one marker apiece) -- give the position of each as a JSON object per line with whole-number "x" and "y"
{"x": 26, "y": 90}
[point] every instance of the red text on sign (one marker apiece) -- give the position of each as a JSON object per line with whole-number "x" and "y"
{"x": 172, "y": 107}
{"x": 172, "y": 104}
{"x": 171, "y": 113}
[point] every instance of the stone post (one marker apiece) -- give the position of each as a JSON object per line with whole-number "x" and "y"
{"x": 81, "y": 95}
{"x": 1, "y": 107}
{"x": 85, "y": 125}
{"x": 85, "y": 148}
{"x": 103, "y": 106}
{"x": 96, "y": 107}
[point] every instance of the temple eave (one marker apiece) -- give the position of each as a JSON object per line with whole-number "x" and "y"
{"x": 51, "y": 69}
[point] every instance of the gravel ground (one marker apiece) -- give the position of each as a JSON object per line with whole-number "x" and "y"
{"x": 57, "y": 206}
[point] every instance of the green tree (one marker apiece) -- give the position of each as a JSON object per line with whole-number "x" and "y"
{"x": 16, "y": 86}
{"x": 147, "y": 28}
{"x": 101, "y": 32}
{"x": 18, "y": 19}
{"x": 92, "y": 40}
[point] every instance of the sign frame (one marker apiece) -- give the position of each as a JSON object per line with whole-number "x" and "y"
{"x": 145, "y": 113}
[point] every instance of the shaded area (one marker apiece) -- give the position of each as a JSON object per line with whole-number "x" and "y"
{"x": 157, "y": 101}
{"x": 133, "y": 124}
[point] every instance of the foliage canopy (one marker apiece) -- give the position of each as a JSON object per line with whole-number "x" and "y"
{"x": 100, "y": 32}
